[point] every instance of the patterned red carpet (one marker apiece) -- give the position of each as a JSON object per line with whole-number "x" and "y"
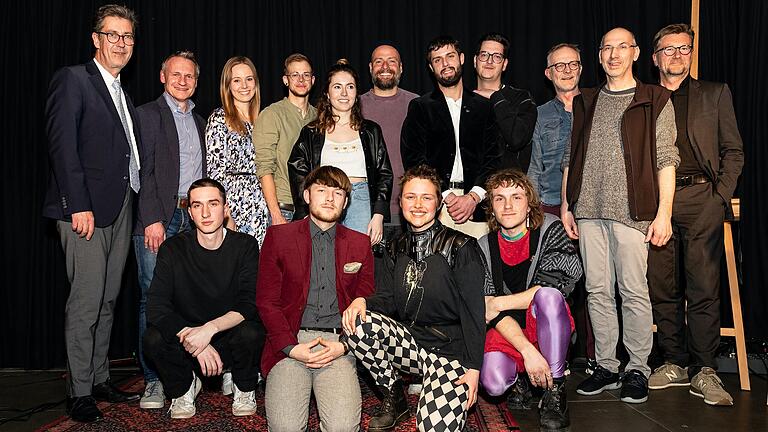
{"x": 214, "y": 414}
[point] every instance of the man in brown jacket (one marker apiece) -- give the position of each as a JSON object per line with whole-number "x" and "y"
{"x": 619, "y": 184}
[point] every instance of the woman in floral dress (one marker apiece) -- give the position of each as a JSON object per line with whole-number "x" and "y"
{"x": 230, "y": 154}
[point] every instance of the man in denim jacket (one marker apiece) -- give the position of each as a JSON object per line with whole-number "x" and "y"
{"x": 553, "y": 125}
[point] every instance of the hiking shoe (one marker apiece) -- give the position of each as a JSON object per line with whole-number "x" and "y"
{"x": 634, "y": 387}
{"x": 668, "y": 375}
{"x": 393, "y": 409}
{"x": 601, "y": 379}
{"x": 227, "y": 384}
{"x": 591, "y": 366}
{"x": 184, "y": 406}
{"x": 707, "y": 385}
{"x": 154, "y": 396}
{"x": 521, "y": 395}
{"x": 553, "y": 409}
{"x": 244, "y": 403}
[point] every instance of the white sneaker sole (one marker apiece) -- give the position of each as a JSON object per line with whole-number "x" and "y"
{"x": 675, "y": 384}
{"x": 151, "y": 404}
{"x": 614, "y": 386}
{"x": 723, "y": 402}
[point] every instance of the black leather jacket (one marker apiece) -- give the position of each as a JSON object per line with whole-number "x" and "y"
{"x": 306, "y": 156}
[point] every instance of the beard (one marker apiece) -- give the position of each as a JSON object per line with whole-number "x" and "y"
{"x": 326, "y": 215}
{"x": 386, "y": 84}
{"x": 449, "y": 82}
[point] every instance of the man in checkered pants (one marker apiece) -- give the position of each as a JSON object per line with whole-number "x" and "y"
{"x": 427, "y": 318}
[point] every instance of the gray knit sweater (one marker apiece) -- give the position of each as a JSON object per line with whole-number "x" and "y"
{"x": 604, "y": 185}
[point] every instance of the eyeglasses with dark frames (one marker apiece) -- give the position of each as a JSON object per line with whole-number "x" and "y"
{"x": 560, "y": 66}
{"x": 670, "y": 50}
{"x": 483, "y": 56}
{"x": 112, "y": 37}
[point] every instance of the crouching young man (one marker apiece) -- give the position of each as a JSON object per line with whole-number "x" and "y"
{"x": 310, "y": 271}
{"x": 201, "y": 306}
{"x": 534, "y": 266}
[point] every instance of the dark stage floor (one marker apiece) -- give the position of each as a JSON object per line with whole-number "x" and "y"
{"x": 666, "y": 410}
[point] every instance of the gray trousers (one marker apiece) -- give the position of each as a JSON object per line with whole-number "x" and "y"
{"x": 613, "y": 252}
{"x": 336, "y": 388}
{"x": 95, "y": 269}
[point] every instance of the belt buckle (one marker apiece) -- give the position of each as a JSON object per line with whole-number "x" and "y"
{"x": 182, "y": 202}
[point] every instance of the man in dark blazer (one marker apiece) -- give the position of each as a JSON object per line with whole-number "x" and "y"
{"x": 173, "y": 139}
{"x": 453, "y": 130}
{"x": 711, "y": 158}
{"x": 94, "y": 147}
{"x": 309, "y": 272}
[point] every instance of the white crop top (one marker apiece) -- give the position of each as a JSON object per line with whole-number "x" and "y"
{"x": 347, "y": 156}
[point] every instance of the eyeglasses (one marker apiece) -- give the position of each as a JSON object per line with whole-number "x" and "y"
{"x": 496, "y": 57}
{"x": 297, "y": 75}
{"x": 127, "y": 38}
{"x": 670, "y": 50}
{"x": 605, "y": 49}
{"x": 560, "y": 66}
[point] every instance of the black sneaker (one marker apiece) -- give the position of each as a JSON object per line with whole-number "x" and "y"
{"x": 591, "y": 366}
{"x": 601, "y": 379}
{"x": 635, "y": 388}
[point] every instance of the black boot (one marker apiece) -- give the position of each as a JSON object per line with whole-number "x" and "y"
{"x": 553, "y": 409}
{"x": 521, "y": 395}
{"x": 394, "y": 409}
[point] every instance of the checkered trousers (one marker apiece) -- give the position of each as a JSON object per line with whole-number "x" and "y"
{"x": 383, "y": 344}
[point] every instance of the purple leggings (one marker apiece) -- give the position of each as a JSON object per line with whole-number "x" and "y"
{"x": 553, "y": 329}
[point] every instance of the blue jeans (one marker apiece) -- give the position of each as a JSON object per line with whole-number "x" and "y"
{"x": 358, "y": 214}
{"x": 287, "y": 215}
{"x": 145, "y": 261}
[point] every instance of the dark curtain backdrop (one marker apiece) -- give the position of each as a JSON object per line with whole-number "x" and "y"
{"x": 40, "y": 36}
{"x": 733, "y": 46}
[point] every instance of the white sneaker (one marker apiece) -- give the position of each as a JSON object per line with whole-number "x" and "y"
{"x": 244, "y": 403}
{"x": 415, "y": 389}
{"x": 184, "y": 406}
{"x": 226, "y": 384}
{"x": 153, "y": 397}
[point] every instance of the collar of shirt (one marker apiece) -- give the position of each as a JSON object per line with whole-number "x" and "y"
{"x": 175, "y": 107}
{"x": 108, "y": 78}
{"x": 316, "y": 232}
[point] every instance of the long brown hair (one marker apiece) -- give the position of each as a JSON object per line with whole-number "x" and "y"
{"x": 511, "y": 178}
{"x": 326, "y": 121}
{"x": 228, "y": 101}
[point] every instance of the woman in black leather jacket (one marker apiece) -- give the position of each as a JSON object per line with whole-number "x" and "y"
{"x": 343, "y": 138}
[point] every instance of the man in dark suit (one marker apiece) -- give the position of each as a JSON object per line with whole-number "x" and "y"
{"x": 452, "y": 130}
{"x": 711, "y": 158}
{"x": 309, "y": 272}
{"x": 174, "y": 147}
{"x": 94, "y": 145}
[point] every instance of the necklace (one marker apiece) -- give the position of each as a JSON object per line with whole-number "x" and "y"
{"x": 515, "y": 237}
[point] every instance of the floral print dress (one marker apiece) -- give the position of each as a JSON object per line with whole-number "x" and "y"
{"x": 230, "y": 159}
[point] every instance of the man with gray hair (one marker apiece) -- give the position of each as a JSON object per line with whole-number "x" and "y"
{"x": 619, "y": 184}
{"x": 174, "y": 147}
{"x": 94, "y": 144}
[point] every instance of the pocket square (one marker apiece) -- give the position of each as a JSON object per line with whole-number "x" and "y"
{"x": 352, "y": 267}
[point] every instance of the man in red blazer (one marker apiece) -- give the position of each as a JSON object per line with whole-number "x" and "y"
{"x": 305, "y": 350}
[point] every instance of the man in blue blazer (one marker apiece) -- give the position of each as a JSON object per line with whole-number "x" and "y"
{"x": 94, "y": 144}
{"x": 173, "y": 140}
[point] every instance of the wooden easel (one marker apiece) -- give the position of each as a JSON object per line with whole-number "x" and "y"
{"x": 737, "y": 330}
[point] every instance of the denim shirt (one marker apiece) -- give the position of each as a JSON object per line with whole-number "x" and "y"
{"x": 552, "y": 132}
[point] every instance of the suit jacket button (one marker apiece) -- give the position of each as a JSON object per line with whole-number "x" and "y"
{"x": 125, "y": 177}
